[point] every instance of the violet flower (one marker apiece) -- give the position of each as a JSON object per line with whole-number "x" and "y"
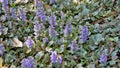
{"x": 37, "y": 28}
{"x": 68, "y": 30}
{"x": 52, "y": 1}
{"x": 45, "y": 40}
{"x": 52, "y": 32}
{"x": 29, "y": 42}
{"x": 13, "y": 10}
{"x": 52, "y": 20}
{"x": 23, "y": 15}
{"x": 28, "y": 62}
{"x": 53, "y": 57}
{"x": 40, "y": 13}
{"x": 2, "y": 49}
{"x": 0, "y": 27}
{"x": 103, "y": 58}
{"x": 5, "y": 5}
{"x": 59, "y": 59}
{"x": 73, "y": 46}
{"x": 84, "y": 33}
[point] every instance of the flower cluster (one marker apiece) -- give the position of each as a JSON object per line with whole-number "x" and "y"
{"x": 55, "y": 58}
{"x": 28, "y": 62}
{"x": 5, "y": 5}
{"x": 103, "y": 58}
{"x": 37, "y": 28}
{"x": 84, "y": 33}
{"x": 52, "y": 32}
{"x": 29, "y": 42}
{"x": 13, "y": 15}
{"x": 68, "y": 30}
{"x": 73, "y": 46}
{"x": 2, "y": 49}
{"x": 23, "y": 15}
{"x": 52, "y": 1}
{"x": 40, "y": 13}
{"x": 52, "y": 20}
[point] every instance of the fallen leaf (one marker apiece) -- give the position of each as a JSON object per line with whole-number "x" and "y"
{"x": 17, "y": 43}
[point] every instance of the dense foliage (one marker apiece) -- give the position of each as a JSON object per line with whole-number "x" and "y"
{"x": 60, "y": 33}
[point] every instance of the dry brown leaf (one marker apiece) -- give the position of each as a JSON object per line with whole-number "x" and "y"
{"x": 17, "y": 43}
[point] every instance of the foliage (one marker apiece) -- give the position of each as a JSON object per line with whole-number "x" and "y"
{"x": 81, "y": 33}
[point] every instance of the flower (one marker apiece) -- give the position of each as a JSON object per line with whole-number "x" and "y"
{"x": 13, "y": 10}
{"x": 40, "y": 13}
{"x": 23, "y": 15}
{"x": 73, "y": 46}
{"x": 53, "y": 57}
{"x": 45, "y": 40}
{"x": 29, "y": 42}
{"x": 2, "y": 49}
{"x": 84, "y": 33}
{"x": 103, "y": 58}
{"x": 5, "y": 5}
{"x": 52, "y": 20}
{"x": 68, "y": 30}
{"x": 51, "y": 32}
{"x": 59, "y": 59}
{"x": 0, "y": 27}
{"x": 28, "y": 62}
{"x": 52, "y": 1}
{"x": 37, "y": 28}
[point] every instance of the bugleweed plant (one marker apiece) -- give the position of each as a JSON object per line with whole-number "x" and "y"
{"x": 59, "y": 33}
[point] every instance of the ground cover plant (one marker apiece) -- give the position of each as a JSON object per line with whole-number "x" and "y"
{"x": 59, "y": 33}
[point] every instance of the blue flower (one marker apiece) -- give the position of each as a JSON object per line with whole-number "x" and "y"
{"x": 0, "y": 27}
{"x": 23, "y": 15}
{"x": 29, "y": 42}
{"x": 37, "y": 28}
{"x": 52, "y": 1}
{"x": 84, "y": 33}
{"x": 2, "y": 49}
{"x": 5, "y": 5}
{"x": 52, "y": 20}
{"x": 103, "y": 58}
{"x": 59, "y": 59}
{"x": 68, "y": 30}
{"x": 73, "y": 46}
{"x": 45, "y": 40}
{"x": 13, "y": 10}
{"x": 53, "y": 57}
{"x": 52, "y": 32}
{"x": 28, "y": 62}
{"x": 40, "y": 13}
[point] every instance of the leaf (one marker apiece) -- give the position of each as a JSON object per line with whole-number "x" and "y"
{"x": 17, "y": 43}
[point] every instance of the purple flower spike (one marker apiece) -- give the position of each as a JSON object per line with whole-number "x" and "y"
{"x": 103, "y": 58}
{"x": 73, "y": 46}
{"x": 13, "y": 15}
{"x": 52, "y": 1}
{"x": 53, "y": 57}
{"x": 5, "y": 5}
{"x": 59, "y": 59}
{"x": 29, "y": 42}
{"x": 84, "y": 33}
{"x": 23, "y": 15}
{"x": 0, "y": 27}
{"x": 28, "y": 63}
{"x": 40, "y": 13}
{"x": 52, "y": 32}
{"x": 37, "y": 28}
{"x": 52, "y": 20}
{"x": 45, "y": 40}
{"x": 68, "y": 30}
{"x": 2, "y": 49}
